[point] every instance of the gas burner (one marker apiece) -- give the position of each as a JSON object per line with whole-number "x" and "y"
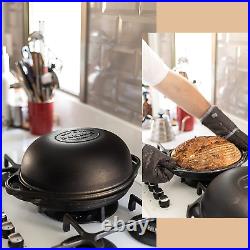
{"x": 91, "y": 240}
{"x": 95, "y": 215}
{"x": 84, "y": 239}
{"x": 194, "y": 183}
{"x": 78, "y": 242}
{"x": 149, "y": 237}
{"x": 193, "y": 210}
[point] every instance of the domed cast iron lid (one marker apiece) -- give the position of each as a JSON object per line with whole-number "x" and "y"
{"x": 227, "y": 195}
{"x": 84, "y": 161}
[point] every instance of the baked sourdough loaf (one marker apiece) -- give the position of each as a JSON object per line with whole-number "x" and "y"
{"x": 206, "y": 153}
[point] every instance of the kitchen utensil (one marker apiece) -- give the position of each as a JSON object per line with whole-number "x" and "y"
{"x": 74, "y": 170}
{"x": 161, "y": 130}
{"x": 225, "y": 197}
{"x": 55, "y": 81}
{"x": 38, "y": 60}
{"x": 29, "y": 80}
{"x": 53, "y": 62}
{"x": 41, "y": 117}
{"x": 38, "y": 66}
{"x": 26, "y": 55}
{"x": 34, "y": 36}
{"x": 203, "y": 176}
{"x": 23, "y": 78}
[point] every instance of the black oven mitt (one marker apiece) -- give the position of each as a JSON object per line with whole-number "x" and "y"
{"x": 155, "y": 165}
{"x": 221, "y": 125}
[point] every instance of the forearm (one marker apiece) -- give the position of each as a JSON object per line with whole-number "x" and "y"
{"x": 184, "y": 94}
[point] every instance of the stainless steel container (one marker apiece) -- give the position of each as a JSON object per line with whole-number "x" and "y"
{"x": 17, "y": 116}
{"x": 161, "y": 130}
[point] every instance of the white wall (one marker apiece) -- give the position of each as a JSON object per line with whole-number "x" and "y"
{"x": 198, "y": 48}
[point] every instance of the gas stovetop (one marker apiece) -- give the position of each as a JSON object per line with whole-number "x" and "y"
{"x": 40, "y": 230}
{"x": 178, "y": 198}
{"x": 180, "y": 195}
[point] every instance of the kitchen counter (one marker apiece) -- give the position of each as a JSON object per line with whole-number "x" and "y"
{"x": 37, "y": 229}
{"x": 180, "y": 194}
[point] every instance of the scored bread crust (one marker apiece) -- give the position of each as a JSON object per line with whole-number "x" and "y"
{"x": 206, "y": 153}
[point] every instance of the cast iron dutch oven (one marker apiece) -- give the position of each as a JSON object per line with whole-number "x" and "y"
{"x": 202, "y": 176}
{"x": 225, "y": 197}
{"x": 74, "y": 170}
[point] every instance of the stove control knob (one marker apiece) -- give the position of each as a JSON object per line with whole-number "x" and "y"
{"x": 7, "y": 229}
{"x": 152, "y": 186}
{"x": 157, "y": 189}
{"x": 164, "y": 201}
{"x": 158, "y": 192}
{"x": 4, "y": 217}
{"x": 15, "y": 240}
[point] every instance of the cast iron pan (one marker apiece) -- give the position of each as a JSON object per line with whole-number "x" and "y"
{"x": 225, "y": 197}
{"x": 74, "y": 169}
{"x": 207, "y": 175}
{"x": 65, "y": 201}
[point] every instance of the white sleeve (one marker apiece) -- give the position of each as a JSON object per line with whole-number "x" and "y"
{"x": 154, "y": 70}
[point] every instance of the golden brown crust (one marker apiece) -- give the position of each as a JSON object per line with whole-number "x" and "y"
{"x": 206, "y": 153}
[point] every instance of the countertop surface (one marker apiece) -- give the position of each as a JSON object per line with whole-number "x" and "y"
{"x": 37, "y": 229}
{"x": 180, "y": 194}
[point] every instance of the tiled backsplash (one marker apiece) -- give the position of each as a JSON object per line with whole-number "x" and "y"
{"x": 114, "y": 58}
{"x": 73, "y": 113}
{"x": 232, "y": 73}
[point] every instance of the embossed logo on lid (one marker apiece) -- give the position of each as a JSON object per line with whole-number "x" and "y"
{"x": 77, "y": 135}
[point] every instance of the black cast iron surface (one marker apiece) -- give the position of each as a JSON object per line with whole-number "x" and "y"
{"x": 73, "y": 170}
{"x": 192, "y": 176}
{"x": 225, "y": 197}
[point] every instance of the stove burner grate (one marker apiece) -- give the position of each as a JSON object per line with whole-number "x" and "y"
{"x": 78, "y": 242}
{"x": 194, "y": 183}
{"x": 149, "y": 237}
{"x": 81, "y": 217}
{"x": 98, "y": 240}
{"x": 83, "y": 239}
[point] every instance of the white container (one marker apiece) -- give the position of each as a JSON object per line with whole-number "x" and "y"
{"x": 7, "y": 80}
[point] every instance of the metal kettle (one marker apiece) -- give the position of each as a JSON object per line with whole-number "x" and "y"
{"x": 161, "y": 129}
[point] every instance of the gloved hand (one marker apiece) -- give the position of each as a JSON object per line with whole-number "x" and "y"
{"x": 221, "y": 125}
{"x": 155, "y": 165}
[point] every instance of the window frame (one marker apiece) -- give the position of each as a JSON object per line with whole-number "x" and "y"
{"x": 84, "y": 51}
